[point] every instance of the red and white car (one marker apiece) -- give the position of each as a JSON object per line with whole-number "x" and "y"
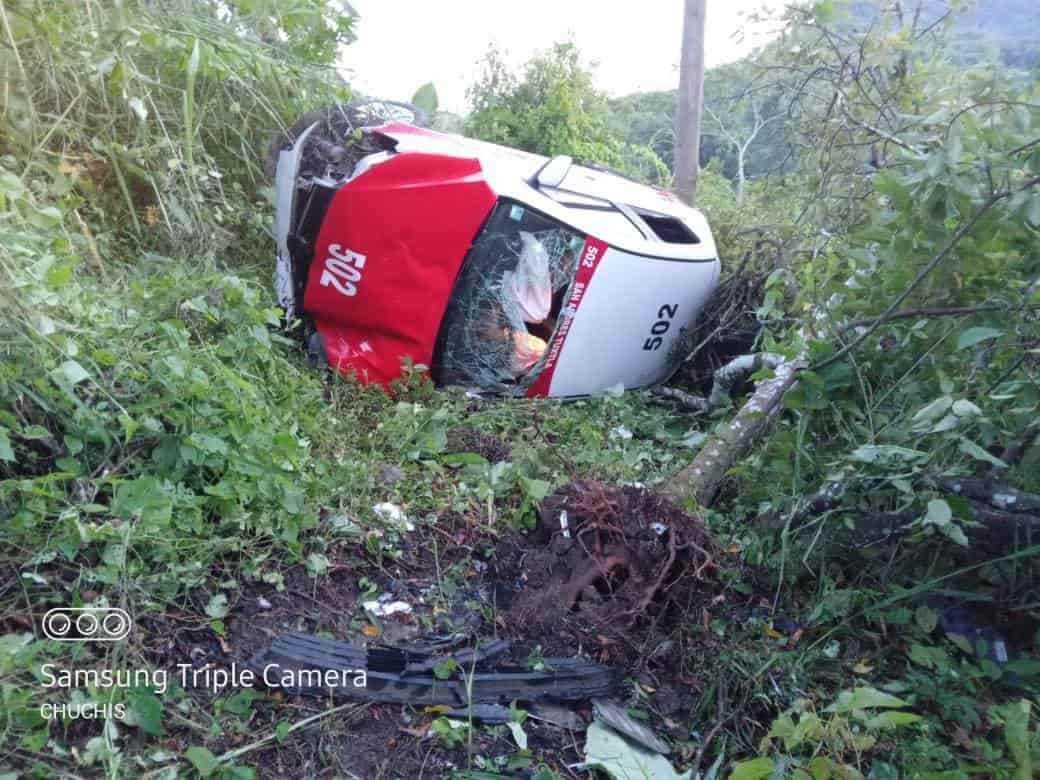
{"x": 493, "y": 267}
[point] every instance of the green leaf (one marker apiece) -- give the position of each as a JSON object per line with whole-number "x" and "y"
{"x": 939, "y": 513}
{"x": 1033, "y": 210}
{"x": 535, "y": 489}
{"x": 282, "y": 730}
{"x": 210, "y": 444}
{"x": 874, "y": 453}
{"x": 72, "y": 372}
{"x": 47, "y": 217}
{"x": 59, "y": 274}
{"x": 1016, "y": 732}
{"x": 426, "y": 98}
{"x": 145, "y": 712}
{"x": 11, "y": 184}
{"x": 6, "y": 452}
{"x": 138, "y": 107}
{"x": 240, "y": 703}
{"x": 973, "y": 336}
{"x": 962, "y": 643}
{"x": 882, "y": 770}
{"x": 926, "y": 618}
{"x": 956, "y": 534}
{"x": 965, "y": 408}
{"x": 607, "y": 750}
{"x": 862, "y": 699}
{"x": 519, "y": 735}
{"x": 969, "y": 447}
{"x": 755, "y": 769}
{"x": 317, "y": 564}
{"x": 464, "y": 459}
{"x": 941, "y": 516}
{"x": 929, "y": 656}
{"x": 217, "y": 607}
{"x": 947, "y": 423}
{"x": 934, "y": 410}
{"x": 143, "y": 497}
{"x": 890, "y": 719}
{"x": 443, "y": 670}
{"x": 205, "y": 763}
{"x": 824, "y": 13}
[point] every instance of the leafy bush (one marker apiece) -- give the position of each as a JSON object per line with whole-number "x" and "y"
{"x": 554, "y": 109}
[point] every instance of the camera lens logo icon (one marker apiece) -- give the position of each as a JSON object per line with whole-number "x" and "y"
{"x": 86, "y": 624}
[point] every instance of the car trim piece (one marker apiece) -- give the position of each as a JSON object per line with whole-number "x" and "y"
{"x": 588, "y": 261}
{"x": 285, "y": 214}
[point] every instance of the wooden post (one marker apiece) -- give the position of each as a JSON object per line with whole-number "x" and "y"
{"x": 691, "y": 99}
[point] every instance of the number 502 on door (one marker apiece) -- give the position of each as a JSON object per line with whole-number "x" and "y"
{"x": 342, "y": 270}
{"x": 665, "y": 315}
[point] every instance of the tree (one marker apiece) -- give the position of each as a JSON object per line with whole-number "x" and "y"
{"x": 691, "y": 98}
{"x": 741, "y": 142}
{"x": 553, "y": 108}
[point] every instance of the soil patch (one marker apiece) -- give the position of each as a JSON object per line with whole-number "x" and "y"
{"x": 615, "y": 560}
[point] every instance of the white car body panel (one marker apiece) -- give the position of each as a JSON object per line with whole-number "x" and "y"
{"x": 616, "y": 317}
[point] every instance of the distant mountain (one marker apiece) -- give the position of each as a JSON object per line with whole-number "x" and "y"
{"x": 1008, "y": 29}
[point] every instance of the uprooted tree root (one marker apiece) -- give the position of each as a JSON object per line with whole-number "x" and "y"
{"x": 618, "y": 556}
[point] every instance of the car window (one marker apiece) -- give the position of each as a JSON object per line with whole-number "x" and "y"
{"x": 506, "y": 300}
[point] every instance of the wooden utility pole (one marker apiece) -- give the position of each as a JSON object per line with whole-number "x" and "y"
{"x": 691, "y": 98}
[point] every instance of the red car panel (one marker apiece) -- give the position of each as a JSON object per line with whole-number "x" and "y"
{"x": 386, "y": 258}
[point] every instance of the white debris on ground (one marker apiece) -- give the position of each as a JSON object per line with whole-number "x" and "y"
{"x": 385, "y": 606}
{"x": 393, "y": 514}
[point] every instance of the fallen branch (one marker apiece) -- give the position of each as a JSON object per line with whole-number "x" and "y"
{"x": 724, "y": 379}
{"x": 994, "y": 494}
{"x": 1001, "y": 511}
{"x": 823, "y": 500}
{"x": 737, "y": 369}
{"x": 994, "y": 529}
{"x": 692, "y": 402}
{"x": 703, "y": 477}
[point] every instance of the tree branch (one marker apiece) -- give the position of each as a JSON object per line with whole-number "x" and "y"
{"x": 955, "y": 239}
{"x": 954, "y": 311}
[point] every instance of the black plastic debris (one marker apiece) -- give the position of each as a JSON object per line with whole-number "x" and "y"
{"x": 405, "y": 674}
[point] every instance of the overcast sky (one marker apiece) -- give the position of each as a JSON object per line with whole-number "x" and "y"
{"x": 402, "y": 44}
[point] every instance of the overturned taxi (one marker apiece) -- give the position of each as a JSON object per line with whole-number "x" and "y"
{"x": 496, "y": 268}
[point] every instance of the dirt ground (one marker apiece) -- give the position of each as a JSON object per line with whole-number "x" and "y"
{"x": 621, "y": 580}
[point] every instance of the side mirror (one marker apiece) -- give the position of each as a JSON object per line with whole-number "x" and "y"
{"x": 553, "y": 172}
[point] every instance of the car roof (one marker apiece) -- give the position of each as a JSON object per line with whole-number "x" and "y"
{"x": 596, "y": 202}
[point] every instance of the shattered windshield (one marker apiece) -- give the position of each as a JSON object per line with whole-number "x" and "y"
{"x": 507, "y": 298}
